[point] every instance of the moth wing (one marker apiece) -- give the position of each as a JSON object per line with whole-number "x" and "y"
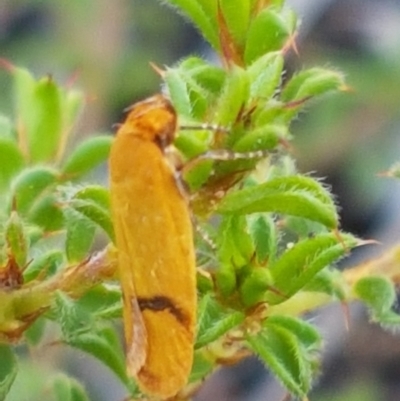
{"x": 157, "y": 267}
{"x": 134, "y": 327}
{"x": 169, "y": 280}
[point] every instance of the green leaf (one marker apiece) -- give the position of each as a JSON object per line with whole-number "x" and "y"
{"x": 73, "y": 102}
{"x": 265, "y": 75}
{"x": 329, "y": 281}
{"x": 192, "y": 143}
{"x": 261, "y": 138}
{"x": 312, "y": 82}
{"x": 24, "y": 86}
{"x": 200, "y": 81}
{"x": 35, "y": 331}
{"x": 278, "y": 345}
{"x": 207, "y": 76}
{"x": 47, "y": 214}
{"x": 16, "y": 238}
{"x": 294, "y": 195}
{"x": 233, "y": 97}
{"x": 103, "y": 301}
{"x": 199, "y": 101}
{"x": 271, "y": 112}
{"x": 234, "y": 243}
{"x": 45, "y": 129}
{"x": 300, "y": 263}
{"x": 45, "y": 264}
{"x": 34, "y": 234}
{"x": 45, "y": 115}
{"x": 199, "y": 174}
{"x": 30, "y": 381}
{"x": 205, "y": 283}
{"x": 277, "y": 349}
{"x": 96, "y": 213}
{"x": 104, "y": 345}
{"x": 94, "y": 203}
{"x": 81, "y": 331}
{"x": 306, "y": 333}
{"x": 269, "y": 31}
{"x": 254, "y": 286}
{"x": 68, "y": 389}
{"x": 263, "y": 232}
{"x": 8, "y": 370}
{"x": 214, "y": 321}
{"x": 86, "y": 156}
{"x": 302, "y": 228}
{"x": 12, "y": 161}
{"x": 237, "y": 16}
{"x": 33, "y": 198}
{"x": 73, "y": 319}
{"x": 95, "y": 193}
{"x": 30, "y": 185}
{"x": 38, "y": 114}
{"x": 201, "y": 368}
{"x": 203, "y": 15}
{"x": 376, "y": 291}
{"x": 79, "y": 236}
{"x": 178, "y": 91}
{"x": 388, "y": 319}
{"x": 276, "y": 3}
{"x": 225, "y": 279}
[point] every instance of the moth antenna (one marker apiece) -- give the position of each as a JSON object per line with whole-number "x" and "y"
{"x": 224, "y": 155}
{"x": 205, "y": 127}
{"x": 204, "y": 235}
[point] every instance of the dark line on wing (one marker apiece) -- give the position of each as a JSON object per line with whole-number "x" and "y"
{"x": 160, "y": 303}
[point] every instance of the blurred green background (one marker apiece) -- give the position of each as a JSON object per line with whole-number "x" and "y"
{"x": 105, "y": 48}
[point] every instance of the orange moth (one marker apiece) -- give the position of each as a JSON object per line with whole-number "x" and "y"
{"x": 154, "y": 239}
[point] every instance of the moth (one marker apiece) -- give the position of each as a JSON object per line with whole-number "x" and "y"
{"x": 156, "y": 258}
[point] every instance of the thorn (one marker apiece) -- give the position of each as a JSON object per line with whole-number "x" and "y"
{"x": 73, "y": 78}
{"x": 7, "y": 65}
{"x": 346, "y": 313}
{"x": 287, "y": 397}
{"x": 286, "y": 145}
{"x": 157, "y": 69}
{"x": 14, "y": 204}
{"x": 291, "y": 44}
{"x": 370, "y": 241}
{"x": 230, "y": 51}
{"x": 339, "y": 237}
{"x": 296, "y": 103}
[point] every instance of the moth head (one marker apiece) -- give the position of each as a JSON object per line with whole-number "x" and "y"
{"x": 153, "y": 119}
